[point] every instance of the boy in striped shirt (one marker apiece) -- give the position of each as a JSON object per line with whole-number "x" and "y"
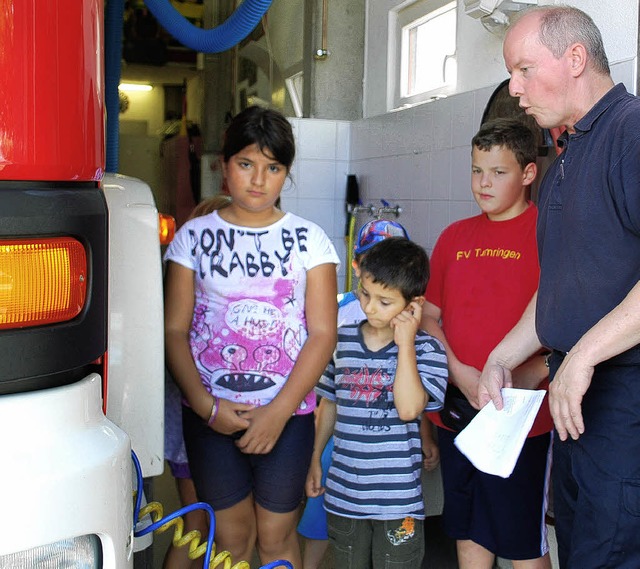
{"x": 385, "y": 372}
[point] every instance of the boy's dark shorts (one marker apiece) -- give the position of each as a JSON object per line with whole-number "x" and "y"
{"x": 504, "y": 515}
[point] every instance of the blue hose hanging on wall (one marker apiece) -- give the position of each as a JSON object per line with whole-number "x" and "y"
{"x": 237, "y": 27}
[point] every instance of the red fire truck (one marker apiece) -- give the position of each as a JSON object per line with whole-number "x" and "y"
{"x": 80, "y": 302}
{"x": 81, "y": 325}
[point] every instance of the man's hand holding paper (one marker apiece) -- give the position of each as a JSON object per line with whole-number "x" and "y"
{"x": 493, "y": 439}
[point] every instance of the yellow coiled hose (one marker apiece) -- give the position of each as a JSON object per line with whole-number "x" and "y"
{"x": 192, "y": 539}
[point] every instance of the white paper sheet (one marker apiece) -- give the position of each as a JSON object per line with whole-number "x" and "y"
{"x": 492, "y": 441}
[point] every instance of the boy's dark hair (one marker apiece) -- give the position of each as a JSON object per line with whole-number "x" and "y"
{"x": 269, "y": 129}
{"x": 511, "y": 134}
{"x": 399, "y": 264}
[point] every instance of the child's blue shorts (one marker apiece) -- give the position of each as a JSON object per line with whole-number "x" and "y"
{"x": 313, "y": 524}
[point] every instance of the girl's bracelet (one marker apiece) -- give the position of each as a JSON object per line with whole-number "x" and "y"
{"x": 214, "y": 411}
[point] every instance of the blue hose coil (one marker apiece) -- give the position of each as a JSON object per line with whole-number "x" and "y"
{"x": 228, "y": 34}
{"x": 158, "y": 524}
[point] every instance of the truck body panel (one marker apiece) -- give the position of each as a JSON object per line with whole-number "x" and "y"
{"x": 67, "y": 472}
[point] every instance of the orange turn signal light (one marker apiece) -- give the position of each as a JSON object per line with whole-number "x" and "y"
{"x": 166, "y": 227}
{"x": 42, "y": 281}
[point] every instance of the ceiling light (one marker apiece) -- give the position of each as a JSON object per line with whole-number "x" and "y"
{"x": 134, "y": 87}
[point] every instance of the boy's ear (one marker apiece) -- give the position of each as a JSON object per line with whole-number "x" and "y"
{"x": 356, "y": 268}
{"x": 418, "y": 299}
{"x": 529, "y": 174}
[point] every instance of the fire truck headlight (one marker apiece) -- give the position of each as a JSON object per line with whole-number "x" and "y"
{"x": 84, "y": 551}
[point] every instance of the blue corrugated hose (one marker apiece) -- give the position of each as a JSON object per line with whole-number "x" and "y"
{"x": 162, "y": 523}
{"x": 237, "y": 27}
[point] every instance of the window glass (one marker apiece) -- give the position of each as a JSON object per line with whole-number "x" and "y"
{"x": 425, "y": 39}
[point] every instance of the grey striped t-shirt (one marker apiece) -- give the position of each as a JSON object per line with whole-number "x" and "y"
{"x": 377, "y": 457}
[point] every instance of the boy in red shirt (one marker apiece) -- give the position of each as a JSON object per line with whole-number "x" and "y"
{"x": 484, "y": 273}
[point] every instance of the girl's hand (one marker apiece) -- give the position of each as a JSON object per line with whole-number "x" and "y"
{"x": 263, "y": 431}
{"x": 230, "y": 418}
{"x": 405, "y": 325}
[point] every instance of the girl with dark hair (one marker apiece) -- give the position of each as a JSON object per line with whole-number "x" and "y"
{"x": 250, "y": 325}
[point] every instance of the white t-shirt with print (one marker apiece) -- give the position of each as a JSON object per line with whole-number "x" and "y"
{"x": 249, "y": 315}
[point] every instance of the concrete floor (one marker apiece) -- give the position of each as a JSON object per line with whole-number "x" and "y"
{"x": 440, "y": 550}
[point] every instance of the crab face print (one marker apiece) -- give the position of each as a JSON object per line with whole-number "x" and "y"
{"x": 239, "y": 380}
{"x": 245, "y": 347}
{"x": 250, "y": 356}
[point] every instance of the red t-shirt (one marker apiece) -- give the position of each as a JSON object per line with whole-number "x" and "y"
{"x": 483, "y": 275}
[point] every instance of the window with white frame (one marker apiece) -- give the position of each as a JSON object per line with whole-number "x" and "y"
{"x": 423, "y": 34}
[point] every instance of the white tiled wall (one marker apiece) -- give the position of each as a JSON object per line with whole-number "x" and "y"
{"x": 318, "y": 182}
{"x": 420, "y": 158}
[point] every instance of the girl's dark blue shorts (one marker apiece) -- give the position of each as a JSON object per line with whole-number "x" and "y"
{"x": 224, "y": 476}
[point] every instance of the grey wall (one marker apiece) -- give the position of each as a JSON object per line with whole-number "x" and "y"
{"x": 337, "y": 81}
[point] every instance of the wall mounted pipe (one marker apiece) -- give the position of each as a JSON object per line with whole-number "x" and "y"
{"x": 322, "y": 53}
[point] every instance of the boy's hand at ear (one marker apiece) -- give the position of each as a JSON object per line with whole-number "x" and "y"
{"x": 409, "y": 395}
{"x": 405, "y": 325}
